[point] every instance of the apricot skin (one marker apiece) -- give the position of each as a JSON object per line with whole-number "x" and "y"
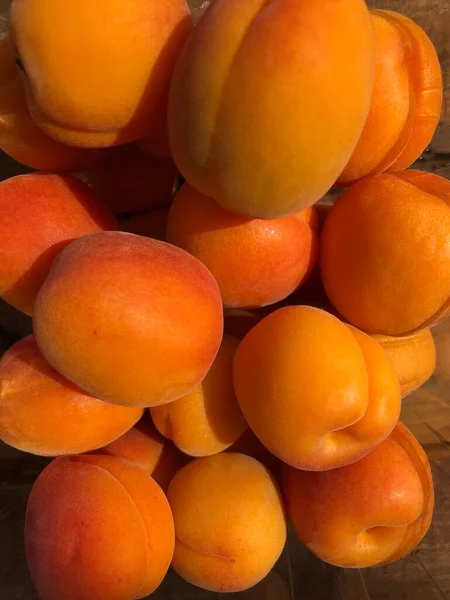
{"x": 76, "y": 90}
{"x": 406, "y": 100}
{"x": 43, "y": 413}
{"x": 413, "y": 357}
{"x": 145, "y": 448}
{"x": 317, "y": 393}
{"x": 384, "y": 252}
{"x": 230, "y": 526}
{"x": 207, "y": 420}
{"x": 71, "y": 547}
{"x": 41, "y": 214}
{"x": 222, "y": 112}
{"x": 387, "y": 510}
{"x": 119, "y": 315}
{"x": 256, "y": 262}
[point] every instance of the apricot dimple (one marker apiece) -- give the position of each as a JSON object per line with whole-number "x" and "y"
{"x": 387, "y": 510}
{"x": 317, "y": 394}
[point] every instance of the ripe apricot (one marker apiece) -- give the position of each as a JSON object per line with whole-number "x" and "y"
{"x": 317, "y": 393}
{"x": 208, "y": 419}
{"x": 91, "y": 90}
{"x": 42, "y": 213}
{"x": 230, "y": 526}
{"x": 369, "y": 513}
{"x": 413, "y": 356}
{"x": 256, "y": 262}
{"x": 385, "y": 256}
{"x": 131, "y": 320}
{"x": 79, "y": 509}
{"x": 406, "y": 100}
{"x": 251, "y": 123}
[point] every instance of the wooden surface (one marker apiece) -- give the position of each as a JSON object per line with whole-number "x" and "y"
{"x": 425, "y": 575}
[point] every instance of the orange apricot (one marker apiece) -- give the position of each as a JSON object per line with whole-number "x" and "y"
{"x": 144, "y": 447}
{"x": 43, "y": 413}
{"x": 131, "y": 320}
{"x": 79, "y": 510}
{"x": 152, "y": 224}
{"x": 130, "y": 180}
{"x": 256, "y": 262}
{"x": 369, "y": 513}
{"x": 385, "y": 256}
{"x": 42, "y": 213}
{"x": 91, "y": 90}
{"x": 208, "y": 419}
{"x": 316, "y": 393}
{"x": 222, "y": 111}
{"x": 406, "y": 99}
{"x": 230, "y": 526}
{"x": 413, "y": 357}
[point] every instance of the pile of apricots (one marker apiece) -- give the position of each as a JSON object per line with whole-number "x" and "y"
{"x": 214, "y": 352}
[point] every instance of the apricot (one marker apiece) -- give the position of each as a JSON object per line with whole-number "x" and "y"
{"x": 256, "y": 262}
{"x": 230, "y": 526}
{"x": 406, "y": 99}
{"x": 369, "y": 513}
{"x": 130, "y": 180}
{"x": 21, "y": 138}
{"x": 97, "y": 527}
{"x": 413, "y": 356}
{"x": 91, "y": 90}
{"x": 385, "y": 256}
{"x": 317, "y": 393}
{"x": 250, "y": 65}
{"x": 131, "y": 320}
{"x": 208, "y": 419}
{"x": 144, "y": 447}
{"x": 152, "y": 224}
{"x": 42, "y": 213}
{"x": 43, "y": 413}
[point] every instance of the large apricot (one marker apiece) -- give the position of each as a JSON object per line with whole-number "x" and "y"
{"x": 42, "y": 213}
{"x": 144, "y": 447}
{"x": 131, "y": 320}
{"x": 385, "y": 256}
{"x": 230, "y": 526}
{"x": 406, "y": 100}
{"x": 43, "y": 413}
{"x": 317, "y": 393}
{"x": 372, "y": 512}
{"x": 251, "y": 123}
{"x": 97, "y": 527}
{"x": 256, "y": 262}
{"x": 208, "y": 419}
{"x": 130, "y": 180}
{"x": 89, "y": 89}
{"x": 413, "y": 357}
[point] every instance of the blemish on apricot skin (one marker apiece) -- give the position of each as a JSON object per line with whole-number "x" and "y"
{"x": 207, "y": 554}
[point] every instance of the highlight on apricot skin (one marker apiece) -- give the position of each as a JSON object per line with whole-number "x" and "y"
{"x": 222, "y": 111}
{"x": 72, "y": 546}
{"x": 413, "y": 357}
{"x": 131, "y": 320}
{"x": 317, "y": 393}
{"x": 42, "y": 213}
{"x": 130, "y": 180}
{"x": 75, "y": 91}
{"x": 388, "y": 506}
{"x": 152, "y": 224}
{"x": 208, "y": 419}
{"x": 43, "y": 413}
{"x": 144, "y": 447}
{"x": 255, "y": 262}
{"x": 406, "y": 99}
{"x": 229, "y": 519}
{"x": 384, "y": 252}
